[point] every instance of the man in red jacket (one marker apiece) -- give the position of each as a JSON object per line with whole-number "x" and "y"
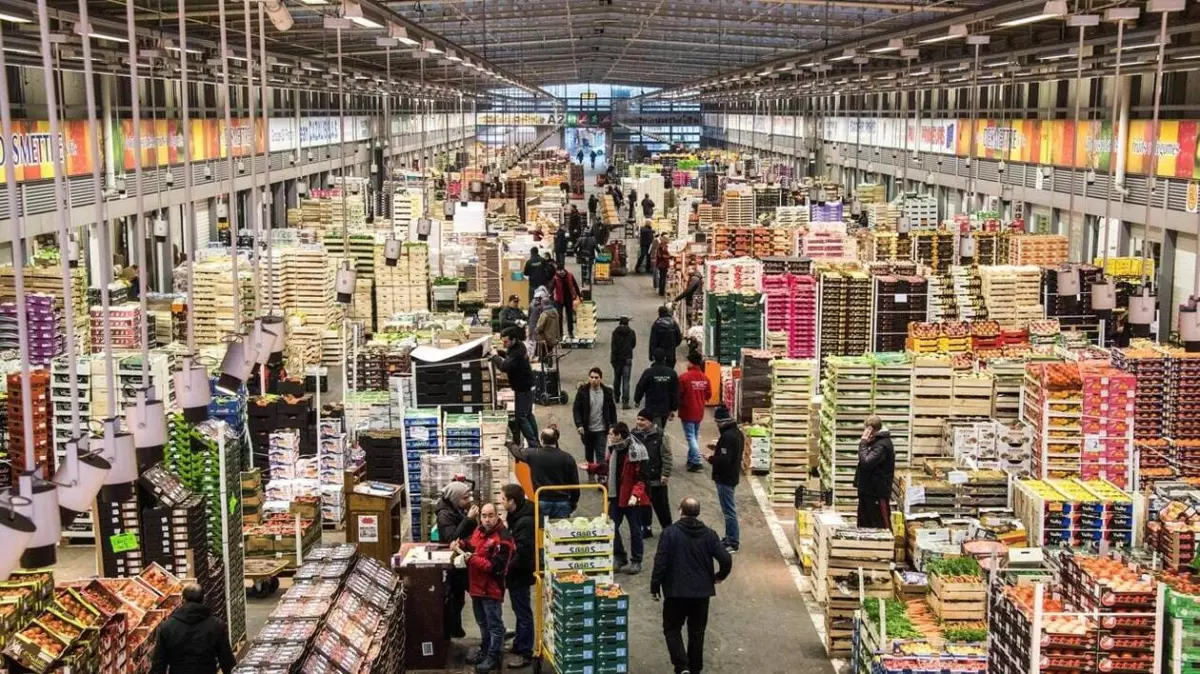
{"x": 694, "y": 392}
{"x": 565, "y": 290}
{"x": 488, "y": 552}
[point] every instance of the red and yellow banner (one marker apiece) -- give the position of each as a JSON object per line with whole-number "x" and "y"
{"x": 32, "y": 147}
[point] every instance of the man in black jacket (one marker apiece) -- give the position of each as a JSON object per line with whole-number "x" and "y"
{"x": 574, "y": 224}
{"x": 624, "y": 341}
{"x": 514, "y": 361}
{"x": 666, "y": 335}
{"x": 873, "y": 475}
{"x": 645, "y": 243}
{"x": 520, "y": 571}
{"x": 726, "y": 461}
{"x": 192, "y": 640}
{"x": 695, "y": 282}
{"x": 659, "y": 385}
{"x": 593, "y": 204}
{"x": 683, "y": 573}
{"x": 633, "y": 202}
{"x": 585, "y": 255}
{"x": 595, "y": 412}
{"x": 560, "y": 248}
{"x": 658, "y": 470}
{"x": 647, "y": 207}
{"x": 550, "y": 466}
{"x": 535, "y": 271}
{"x": 512, "y": 314}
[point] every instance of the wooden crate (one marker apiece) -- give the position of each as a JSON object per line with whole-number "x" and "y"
{"x": 957, "y": 601}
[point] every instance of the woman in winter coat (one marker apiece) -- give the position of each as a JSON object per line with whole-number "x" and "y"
{"x": 457, "y": 519}
{"x": 625, "y": 466}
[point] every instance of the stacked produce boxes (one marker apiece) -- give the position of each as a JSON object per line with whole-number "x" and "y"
{"x": 735, "y": 321}
{"x": 792, "y": 388}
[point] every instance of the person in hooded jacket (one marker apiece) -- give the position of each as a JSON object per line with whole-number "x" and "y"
{"x": 683, "y": 574}
{"x": 662, "y": 264}
{"x": 726, "y": 461}
{"x": 489, "y": 553}
{"x": 585, "y": 255}
{"x": 624, "y": 468}
{"x": 565, "y": 291}
{"x": 659, "y": 464}
{"x": 520, "y": 572}
{"x": 456, "y": 520}
{"x": 535, "y": 271}
{"x": 192, "y": 640}
{"x": 873, "y": 475}
{"x": 694, "y": 392}
{"x": 665, "y": 335}
{"x": 514, "y": 361}
{"x": 659, "y": 385}
{"x": 645, "y": 244}
{"x": 623, "y": 342}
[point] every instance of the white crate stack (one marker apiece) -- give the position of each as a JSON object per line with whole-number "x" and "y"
{"x": 739, "y": 206}
{"x": 405, "y": 287}
{"x": 791, "y": 216}
{"x": 61, "y": 396}
{"x": 407, "y": 206}
{"x": 494, "y": 428}
{"x": 331, "y": 465}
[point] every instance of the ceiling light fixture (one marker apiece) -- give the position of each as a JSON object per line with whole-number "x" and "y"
{"x": 5, "y": 16}
{"x": 400, "y": 33}
{"x": 956, "y": 32}
{"x": 111, "y": 38}
{"x": 1053, "y": 9}
{"x": 894, "y": 44}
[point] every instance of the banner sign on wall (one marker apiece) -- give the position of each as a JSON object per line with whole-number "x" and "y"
{"x": 32, "y": 150}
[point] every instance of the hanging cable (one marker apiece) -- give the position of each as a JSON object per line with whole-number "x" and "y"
{"x": 254, "y": 213}
{"x": 139, "y": 198}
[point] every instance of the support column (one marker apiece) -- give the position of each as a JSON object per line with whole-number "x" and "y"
{"x": 1166, "y": 284}
{"x": 106, "y": 111}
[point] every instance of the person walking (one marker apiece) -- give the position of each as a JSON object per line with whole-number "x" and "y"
{"x": 726, "y": 461}
{"x": 633, "y": 202}
{"x": 565, "y": 290}
{"x": 456, "y": 519}
{"x": 579, "y": 156}
{"x": 489, "y": 553}
{"x": 624, "y": 465}
{"x": 647, "y": 208}
{"x": 511, "y": 316}
{"x": 595, "y": 411}
{"x": 548, "y": 329}
{"x": 520, "y": 573}
{"x": 658, "y": 470}
{"x": 574, "y": 225}
{"x": 662, "y": 263}
{"x": 550, "y": 466}
{"x": 535, "y": 271}
{"x": 585, "y": 254}
{"x": 659, "y": 386}
{"x": 665, "y": 335}
{"x": 513, "y": 360}
{"x": 683, "y": 576}
{"x": 192, "y": 640}
{"x": 593, "y": 205}
{"x": 645, "y": 244}
{"x": 873, "y": 475}
{"x": 593, "y": 157}
{"x": 694, "y": 393}
{"x": 560, "y": 247}
{"x": 622, "y": 344}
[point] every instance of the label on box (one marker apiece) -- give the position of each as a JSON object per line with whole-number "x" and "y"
{"x": 368, "y": 529}
{"x": 901, "y": 298}
{"x": 419, "y": 433}
{"x": 914, "y": 496}
{"x": 123, "y": 542}
{"x": 1091, "y": 443}
{"x": 957, "y": 477}
{"x": 232, "y": 504}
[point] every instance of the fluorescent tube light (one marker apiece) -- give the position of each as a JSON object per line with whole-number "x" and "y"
{"x": 1055, "y": 57}
{"x": 894, "y": 44}
{"x": 1131, "y": 47}
{"x": 956, "y": 31}
{"x": 313, "y": 2}
{"x": 364, "y": 22}
{"x": 5, "y": 16}
{"x": 1052, "y": 10}
{"x": 102, "y": 36}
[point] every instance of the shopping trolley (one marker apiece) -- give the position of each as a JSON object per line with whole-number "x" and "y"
{"x": 540, "y": 606}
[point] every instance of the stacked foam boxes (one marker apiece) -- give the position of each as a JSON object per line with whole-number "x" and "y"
{"x": 739, "y": 206}
{"x": 585, "y": 322}
{"x": 61, "y": 396}
{"x": 494, "y": 429}
{"x": 405, "y": 287}
{"x": 332, "y": 460}
{"x": 125, "y": 321}
{"x": 422, "y": 435}
{"x": 825, "y": 241}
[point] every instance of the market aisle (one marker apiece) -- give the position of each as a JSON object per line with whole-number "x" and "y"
{"x": 758, "y": 621}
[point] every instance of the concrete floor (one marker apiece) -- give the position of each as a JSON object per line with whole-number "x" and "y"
{"x": 758, "y": 621}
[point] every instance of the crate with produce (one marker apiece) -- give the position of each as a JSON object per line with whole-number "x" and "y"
{"x": 956, "y": 588}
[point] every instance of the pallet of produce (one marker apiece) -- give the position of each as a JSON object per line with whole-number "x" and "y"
{"x": 956, "y": 588}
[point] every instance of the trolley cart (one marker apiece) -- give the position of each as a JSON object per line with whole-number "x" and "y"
{"x": 263, "y": 576}
{"x": 584, "y": 543}
{"x": 602, "y": 270}
{"x": 547, "y": 383}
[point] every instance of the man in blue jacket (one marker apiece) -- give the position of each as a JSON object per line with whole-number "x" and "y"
{"x": 683, "y": 573}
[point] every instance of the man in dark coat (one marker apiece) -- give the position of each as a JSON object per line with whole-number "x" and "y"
{"x": 695, "y": 282}
{"x": 659, "y": 385}
{"x": 595, "y": 411}
{"x": 683, "y": 574}
{"x": 560, "y": 248}
{"x": 647, "y": 207}
{"x": 574, "y": 224}
{"x": 550, "y": 466}
{"x": 585, "y": 254}
{"x": 726, "y": 461}
{"x": 520, "y": 571}
{"x": 593, "y": 206}
{"x": 659, "y": 465}
{"x": 511, "y": 316}
{"x": 536, "y": 271}
{"x": 514, "y": 361}
{"x": 873, "y": 475}
{"x": 624, "y": 341}
{"x": 192, "y": 640}
{"x": 665, "y": 335}
{"x": 645, "y": 243}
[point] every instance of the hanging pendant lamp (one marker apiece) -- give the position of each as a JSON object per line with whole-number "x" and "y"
{"x": 16, "y": 530}
{"x": 41, "y": 550}
{"x": 146, "y": 419}
{"x": 80, "y": 478}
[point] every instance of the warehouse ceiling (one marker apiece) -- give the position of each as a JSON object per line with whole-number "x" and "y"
{"x": 656, "y": 42}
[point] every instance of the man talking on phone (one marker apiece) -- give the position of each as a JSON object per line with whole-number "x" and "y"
{"x": 873, "y": 476}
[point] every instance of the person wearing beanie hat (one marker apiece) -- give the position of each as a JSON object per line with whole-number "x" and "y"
{"x": 725, "y": 456}
{"x": 457, "y": 518}
{"x": 659, "y": 463}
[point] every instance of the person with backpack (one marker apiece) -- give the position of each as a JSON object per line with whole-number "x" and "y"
{"x": 665, "y": 336}
{"x": 489, "y": 553}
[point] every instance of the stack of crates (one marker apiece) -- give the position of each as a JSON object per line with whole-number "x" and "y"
{"x": 612, "y": 633}
{"x": 737, "y": 323}
{"x": 587, "y": 626}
